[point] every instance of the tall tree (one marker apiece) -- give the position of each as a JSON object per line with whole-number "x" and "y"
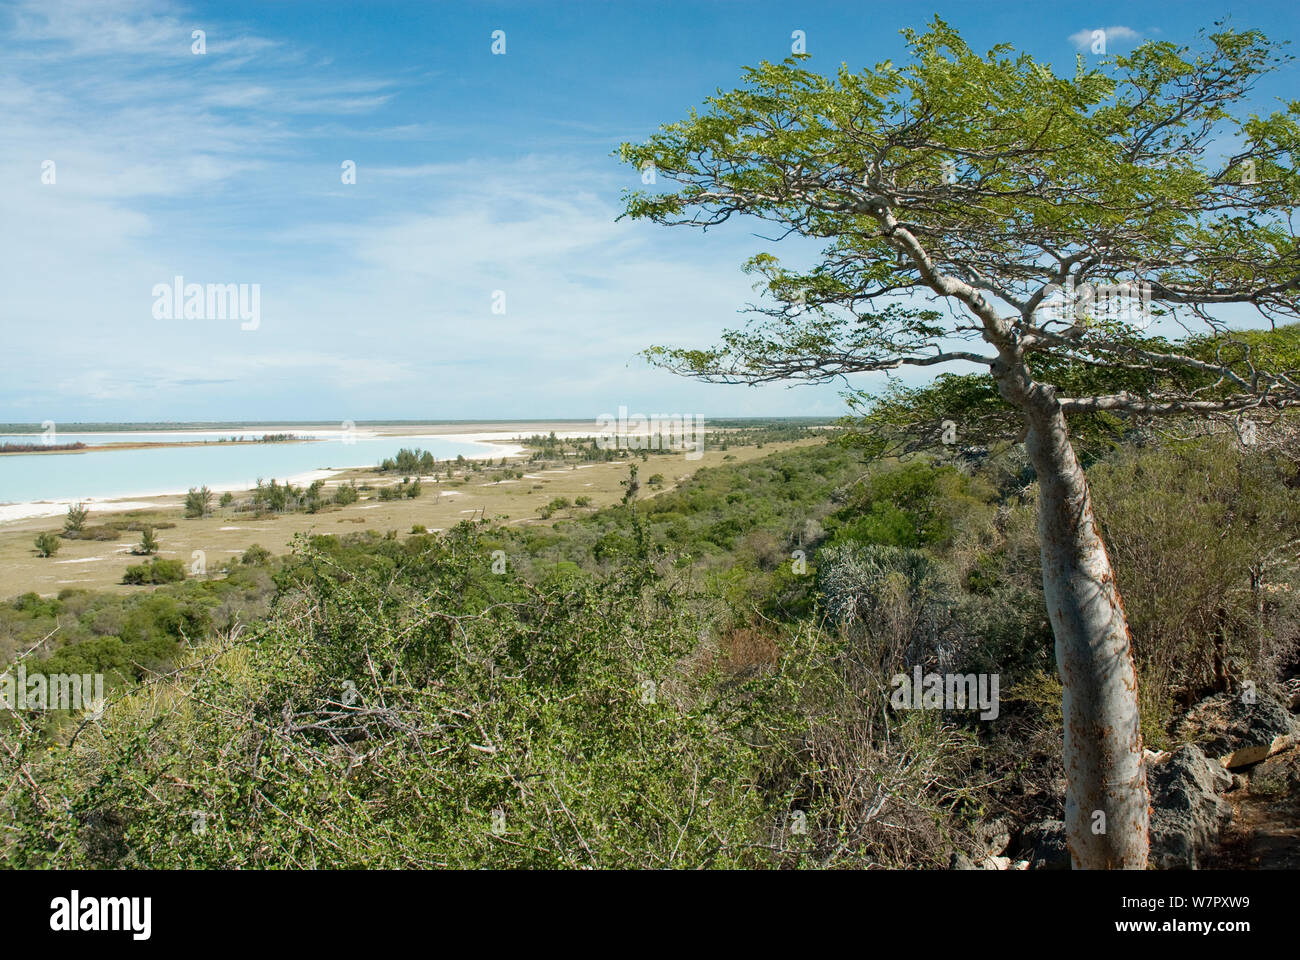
{"x": 985, "y": 210}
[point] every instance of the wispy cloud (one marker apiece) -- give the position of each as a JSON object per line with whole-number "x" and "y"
{"x": 376, "y": 297}
{"x": 122, "y": 28}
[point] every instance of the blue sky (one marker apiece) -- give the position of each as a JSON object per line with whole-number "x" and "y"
{"x": 475, "y": 173}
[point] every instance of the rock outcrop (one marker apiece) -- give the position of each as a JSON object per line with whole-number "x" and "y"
{"x": 1276, "y": 777}
{"x": 1232, "y": 742}
{"x": 1043, "y": 844}
{"x": 1187, "y": 815}
{"x": 1187, "y": 811}
{"x": 1238, "y": 730}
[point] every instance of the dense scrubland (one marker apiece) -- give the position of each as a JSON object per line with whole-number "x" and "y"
{"x": 695, "y": 678}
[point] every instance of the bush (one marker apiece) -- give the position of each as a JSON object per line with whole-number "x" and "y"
{"x": 912, "y": 505}
{"x": 255, "y": 555}
{"x": 34, "y": 605}
{"x": 612, "y": 697}
{"x": 75, "y": 521}
{"x": 148, "y": 543}
{"x": 156, "y": 570}
{"x": 1199, "y": 534}
{"x": 409, "y": 462}
{"x": 47, "y": 544}
{"x": 198, "y": 503}
{"x": 104, "y": 531}
{"x": 610, "y": 733}
{"x": 896, "y": 598}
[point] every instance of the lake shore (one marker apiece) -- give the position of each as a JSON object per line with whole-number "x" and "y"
{"x": 499, "y": 443}
{"x": 227, "y": 532}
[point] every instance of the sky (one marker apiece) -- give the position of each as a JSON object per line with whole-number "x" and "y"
{"x": 475, "y": 269}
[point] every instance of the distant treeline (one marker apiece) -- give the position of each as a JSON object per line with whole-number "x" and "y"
{"x": 746, "y": 423}
{"x": 38, "y": 447}
{"x": 270, "y": 438}
{"x": 719, "y": 434}
{"x": 412, "y": 461}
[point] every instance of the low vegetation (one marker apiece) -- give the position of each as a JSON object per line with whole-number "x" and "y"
{"x": 698, "y": 678}
{"x": 156, "y": 570}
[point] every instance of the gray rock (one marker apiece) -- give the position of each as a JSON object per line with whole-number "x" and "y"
{"x": 1276, "y": 777}
{"x": 1044, "y": 845}
{"x": 1237, "y": 733}
{"x": 1292, "y": 687}
{"x": 1187, "y": 815}
{"x": 959, "y": 861}
{"x": 1187, "y": 812}
{"x": 993, "y": 836}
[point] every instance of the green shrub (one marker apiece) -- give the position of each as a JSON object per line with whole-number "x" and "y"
{"x": 911, "y": 505}
{"x": 157, "y": 570}
{"x": 515, "y": 709}
{"x": 255, "y": 555}
{"x": 47, "y": 544}
{"x": 75, "y": 521}
{"x": 148, "y": 543}
{"x": 198, "y": 503}
{"x": 1196, "y": 532}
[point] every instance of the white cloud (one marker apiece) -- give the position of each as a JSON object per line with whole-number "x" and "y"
{"x": 60, "y": 29}
{"x": 1115, "y": 36}
{"x": 375, "y": 297}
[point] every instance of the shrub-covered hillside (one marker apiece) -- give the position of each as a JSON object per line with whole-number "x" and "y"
{"x": 698, "y": 678}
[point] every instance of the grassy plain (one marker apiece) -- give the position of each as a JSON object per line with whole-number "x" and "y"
{"x": 227, "y": 533}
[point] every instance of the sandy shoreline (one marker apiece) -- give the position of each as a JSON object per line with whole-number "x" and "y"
{"x": 229, "y": 531}
{"x": 505, "y": 442}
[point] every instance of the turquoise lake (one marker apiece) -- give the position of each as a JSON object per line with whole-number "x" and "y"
{"x": 145, "y": 472}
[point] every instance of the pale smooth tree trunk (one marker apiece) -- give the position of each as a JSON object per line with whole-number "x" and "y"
{"x": 1107, "y": 804}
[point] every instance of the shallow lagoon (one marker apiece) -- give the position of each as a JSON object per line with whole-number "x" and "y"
{"x": 143, "y": 471}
